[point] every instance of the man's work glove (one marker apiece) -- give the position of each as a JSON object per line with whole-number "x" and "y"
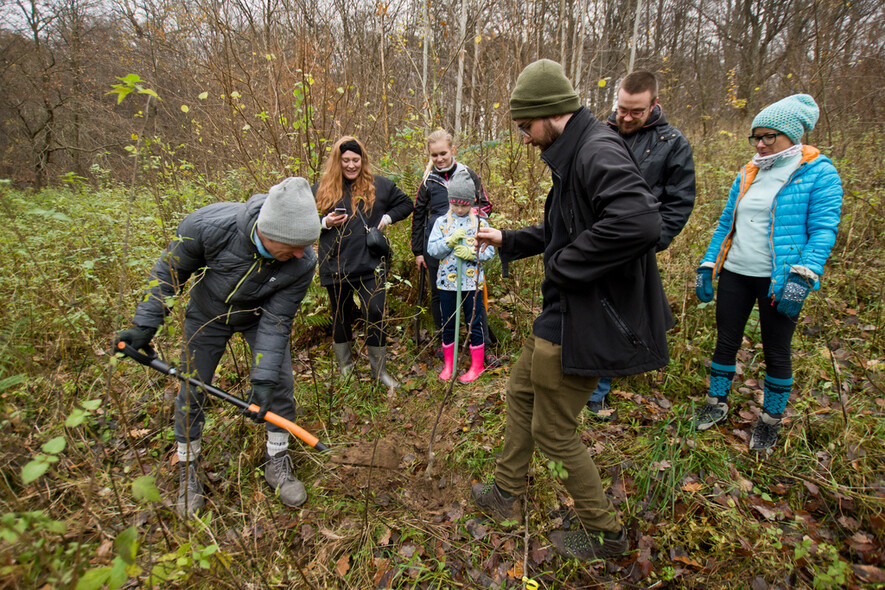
{"x": 465, "y": 252}
{"x": 259, "y": 395}
{"x": 138, "y": 337}
{"x": 703, "y": 285}
{"x": 457, "y": 235}
{"x": 795, "y": 292}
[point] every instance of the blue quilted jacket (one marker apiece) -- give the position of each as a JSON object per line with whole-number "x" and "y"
{"x": 804, "y": 219}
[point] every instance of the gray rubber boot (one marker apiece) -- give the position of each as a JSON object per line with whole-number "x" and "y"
{"x": 190, "y": 489}
{"x": 278, "y": 474}
{"x": 378, "y": 362}
{"x": 344, "y": 354}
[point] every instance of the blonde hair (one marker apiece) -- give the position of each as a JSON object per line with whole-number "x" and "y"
{"x": 331, "y": 187}
{"x": 435, "y": 137}
{"x": 450, "y": 218}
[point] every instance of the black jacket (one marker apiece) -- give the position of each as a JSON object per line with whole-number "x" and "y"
{"x": 601, "y": 290}
{"x": 665, "y": 161}
{"x": 234, "y": 284}
{"x": 432, "y": 202}
{"x": 343, "y": 254}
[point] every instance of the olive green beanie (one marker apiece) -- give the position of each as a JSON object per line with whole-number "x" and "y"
{"x": 542, "y": 90}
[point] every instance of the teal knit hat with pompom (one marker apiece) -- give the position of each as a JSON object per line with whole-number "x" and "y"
{"x": 793, "y": 116}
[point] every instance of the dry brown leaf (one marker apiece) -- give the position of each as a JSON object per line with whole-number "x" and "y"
{"x": 516, "y": 570}
{"x": 688, "y": 561}
{"x": 766, "y": 513}
{"x": 692, "y": 486}
{"x": 869, "y": 573}
{"x": 343, "y": 565}
{"x": 812, "y": 489}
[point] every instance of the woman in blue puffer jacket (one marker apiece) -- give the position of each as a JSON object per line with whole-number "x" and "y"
{"x": 769, "y": 248}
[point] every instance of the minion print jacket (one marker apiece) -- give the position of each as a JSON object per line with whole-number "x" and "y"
{"x": 472, "y": 276}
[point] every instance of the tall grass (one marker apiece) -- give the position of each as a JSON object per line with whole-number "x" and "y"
{"x": 68, "y": 287}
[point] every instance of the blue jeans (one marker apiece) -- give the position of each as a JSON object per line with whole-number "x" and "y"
{"x": 605, "y": 386}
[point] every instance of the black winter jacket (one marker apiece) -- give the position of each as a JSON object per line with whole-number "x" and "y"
{"x": 343, "y": 254}
{"x": 601, "y": 287}
{"x": 432, "y": 202}
{"x": 665, "y": 161}
{"x": 234, "y": 283}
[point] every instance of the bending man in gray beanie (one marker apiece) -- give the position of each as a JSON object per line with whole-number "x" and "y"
{"x": 253, "y": 263}
{"x": 604, "y": 311}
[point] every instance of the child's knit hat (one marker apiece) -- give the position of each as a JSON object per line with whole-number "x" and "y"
{"x": 793, "y": 116}
{"x": 461, "y": 187}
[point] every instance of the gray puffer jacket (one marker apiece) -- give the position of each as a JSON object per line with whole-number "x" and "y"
{"x": 234, "y": 284}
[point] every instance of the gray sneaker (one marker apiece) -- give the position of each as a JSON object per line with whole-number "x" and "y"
{"x": 713, "y": 412}
{"x": 765, "y": 433}
{"x": 278, "y": 474}
{"x": 589, "y": 545}
{"x": 489, "y": 499}
{"x": 190, "y": 489}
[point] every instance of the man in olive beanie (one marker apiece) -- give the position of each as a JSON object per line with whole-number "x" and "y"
{"x": 254, "y": 263}
{"x": 604, "y": 311}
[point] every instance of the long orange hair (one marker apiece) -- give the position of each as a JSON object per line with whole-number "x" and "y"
{"x": 331, "y": 187}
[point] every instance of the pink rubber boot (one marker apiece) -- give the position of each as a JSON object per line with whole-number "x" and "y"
{"x": 477, "y": 364}
{"x": 448, "y": 361}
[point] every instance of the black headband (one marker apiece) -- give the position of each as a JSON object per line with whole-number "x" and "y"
{"x": 351, "y": 146}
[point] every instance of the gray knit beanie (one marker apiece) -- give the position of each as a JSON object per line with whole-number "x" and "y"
{"x": 461, "y": 187}
{"x": 289, "y": 214}
{"x": 793, "y": 116}
{"x": 542, "y": 90}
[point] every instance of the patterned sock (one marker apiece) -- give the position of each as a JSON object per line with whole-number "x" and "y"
{"x": 277, "y": 442}
{"x": 721, "y": 377}
{"x": 191, "y": 453}
{"x": 777, "y": 394}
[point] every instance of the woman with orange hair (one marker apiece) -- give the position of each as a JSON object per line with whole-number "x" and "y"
{"x": 352, "y": 258}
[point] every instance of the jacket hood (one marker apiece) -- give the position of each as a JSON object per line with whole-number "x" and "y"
{"x": 654, "y": 119}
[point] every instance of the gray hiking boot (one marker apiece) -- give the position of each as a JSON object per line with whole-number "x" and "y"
{"x": 378, "y": 362}
{"x": 278, "y": 474}
{"x": 491, "y": 501}
{"x": 765, "y": 432}
{"x": 588, "y": 545}
{"x": 713, "y": 412}
{"x": 190, "y": 489}
{"x": 344, "y": 355}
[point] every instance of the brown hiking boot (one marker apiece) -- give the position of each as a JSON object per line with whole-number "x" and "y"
{"x": 190, "y": 489}
{"x": 278, "y": 474}
{"x": 589, "y": 545}
{"x": 491, "y": 501}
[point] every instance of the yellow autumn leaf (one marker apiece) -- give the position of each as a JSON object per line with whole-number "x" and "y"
{"x": 477, "y": 39}
{"x": 496, "y": 105}
{"x": 203, "y": 95}
{"x": 185, "y": 108}
{"x": 602, "y": 83}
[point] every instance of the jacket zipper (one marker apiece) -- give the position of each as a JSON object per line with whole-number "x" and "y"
{"x": 623, "y": 328}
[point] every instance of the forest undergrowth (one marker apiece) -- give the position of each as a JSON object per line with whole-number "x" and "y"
{"x": 88, "y": 462}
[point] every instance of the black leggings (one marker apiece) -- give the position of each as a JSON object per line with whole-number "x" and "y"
{"x": 371, "y": 291}
{"x": 734, "y": 302}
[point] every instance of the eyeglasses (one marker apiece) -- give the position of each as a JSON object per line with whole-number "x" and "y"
{"x": 525, "y": 126}
{"x": 767, "y": 139}
{"x": 635, "y": 113}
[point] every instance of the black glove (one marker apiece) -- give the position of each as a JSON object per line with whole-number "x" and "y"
{"x": 138, "y": 337}
{"x": 259, "y": 395}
